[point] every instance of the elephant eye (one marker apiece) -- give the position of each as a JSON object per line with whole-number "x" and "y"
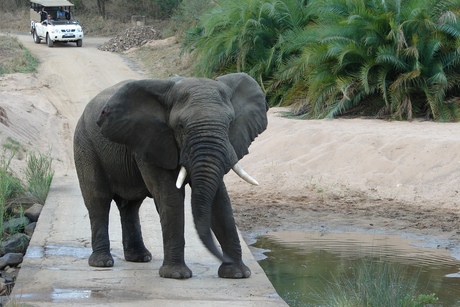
{"x": 104, "y": 112}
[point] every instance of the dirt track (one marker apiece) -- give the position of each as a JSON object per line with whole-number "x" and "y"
{"x": 68, "y": 77}
{"x": 42, "y": 110}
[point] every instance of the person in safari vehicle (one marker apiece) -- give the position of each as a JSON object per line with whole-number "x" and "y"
{"x": 62, "y": 14}
{"x": 43, "y": 14}
{"x": 48, "y": 21}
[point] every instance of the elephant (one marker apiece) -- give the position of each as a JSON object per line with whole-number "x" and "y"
{"x": 151, "y": 137}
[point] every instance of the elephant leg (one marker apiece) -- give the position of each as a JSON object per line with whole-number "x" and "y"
{"x": 133, "y": 243}
{"x": 97, "y": 197}
{"x": 223, "y": 226}
{"x": 169, "y": 202}
{"x": 99, "y": 218}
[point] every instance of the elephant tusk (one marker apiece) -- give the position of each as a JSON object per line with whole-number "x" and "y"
{"x": 245, "y": 176}
{"x": 181, "y": 177}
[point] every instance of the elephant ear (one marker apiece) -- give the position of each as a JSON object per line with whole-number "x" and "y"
{"x": 136, "y": 115}
{"x": 250, "y": 111}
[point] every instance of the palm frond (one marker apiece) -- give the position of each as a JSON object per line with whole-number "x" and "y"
{"x": 328, "y": 57}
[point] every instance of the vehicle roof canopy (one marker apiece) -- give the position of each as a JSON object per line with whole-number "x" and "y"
{"x": 46, "y": 3}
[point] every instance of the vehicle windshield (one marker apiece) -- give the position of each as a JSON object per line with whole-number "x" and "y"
{"x": 65, "y": 22}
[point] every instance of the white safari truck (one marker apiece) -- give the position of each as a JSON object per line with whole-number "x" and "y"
{"x": 53, "y": 21}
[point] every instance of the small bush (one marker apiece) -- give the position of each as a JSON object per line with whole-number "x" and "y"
{"x": 39, "y": 175}
{"x": 376, "y": 284}
{"x": 246, "y": 36}
{"x": 10, "y": 186}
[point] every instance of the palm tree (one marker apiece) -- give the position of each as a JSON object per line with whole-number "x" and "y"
{"x": 387, "y": 58}
{"x": 245, "y": 35}
{"x": 393, "y": 58}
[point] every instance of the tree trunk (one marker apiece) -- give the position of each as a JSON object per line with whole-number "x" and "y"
{"x": 101, "y": 8}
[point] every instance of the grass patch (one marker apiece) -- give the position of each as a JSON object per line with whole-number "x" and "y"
{"x": 16, "y": 147}
{"x": 14, "y": 57}
{"x": 38, "y": 175}
{"x": 376, "y": 284}
{"x": 10, "y": 186}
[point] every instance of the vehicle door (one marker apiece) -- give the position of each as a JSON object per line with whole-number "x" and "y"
{"x": 42, "y": 28}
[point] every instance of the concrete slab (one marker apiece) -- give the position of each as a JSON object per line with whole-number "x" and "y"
{"x": 55, "y": 270}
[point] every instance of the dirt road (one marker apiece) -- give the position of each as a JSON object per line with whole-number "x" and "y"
{"x": 42, "y": 109}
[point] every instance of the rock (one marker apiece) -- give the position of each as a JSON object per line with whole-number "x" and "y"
{"x": 29, "y": 229}
{"x": 6, "y": 286}
{"x": 134, "y": 37}
{"x": 33, "y": 212}
{"x": 2, "y": 286}
{"x": 17, "y": 243}
{"x": 16, "y": 224}
{"x": 10, "y": 259}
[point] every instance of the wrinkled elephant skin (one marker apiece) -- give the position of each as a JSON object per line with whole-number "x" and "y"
{"x": 134, "y": 137}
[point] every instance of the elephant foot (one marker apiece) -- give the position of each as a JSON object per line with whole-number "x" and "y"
{"x": 234, "y": 270}
{"x": 101, "y": 259}
{"x": 175, "y": 271}
{"x": 138, "y": 255}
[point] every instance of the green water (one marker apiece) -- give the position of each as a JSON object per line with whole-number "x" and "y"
{"x": 302, "y": 266}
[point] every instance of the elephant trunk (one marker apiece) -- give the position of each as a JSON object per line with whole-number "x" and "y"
{"x": 202, "y": 199}
{"x": 208, "y": 162}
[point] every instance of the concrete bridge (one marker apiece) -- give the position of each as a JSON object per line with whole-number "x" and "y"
{"x": 55, "y": 271}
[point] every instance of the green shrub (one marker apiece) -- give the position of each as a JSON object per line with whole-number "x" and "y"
{"x": 389, "y": 58}
{"x": 39, "y": 175}
{"x": 10, "y": 186}
{"x": 246, "y": 35}
{"x": 394, "y": 59}
{"x": 375, "y": 284}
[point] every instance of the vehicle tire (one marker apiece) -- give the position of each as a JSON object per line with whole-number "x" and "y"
{"x": 49, "y": 41}
{"x": 37, "y": 39}
{"x": 79, "y": 43}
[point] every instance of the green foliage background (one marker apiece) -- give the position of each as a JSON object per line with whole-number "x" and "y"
{"x": 391, "y": 59}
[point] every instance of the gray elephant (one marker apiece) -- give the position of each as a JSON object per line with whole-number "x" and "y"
{"x": 148, "y": 138}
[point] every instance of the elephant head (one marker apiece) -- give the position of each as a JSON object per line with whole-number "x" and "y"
{"x": 197, "y": 125}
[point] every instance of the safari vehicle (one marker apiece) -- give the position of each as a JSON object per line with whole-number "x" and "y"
{"x": 59, "y": 27}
